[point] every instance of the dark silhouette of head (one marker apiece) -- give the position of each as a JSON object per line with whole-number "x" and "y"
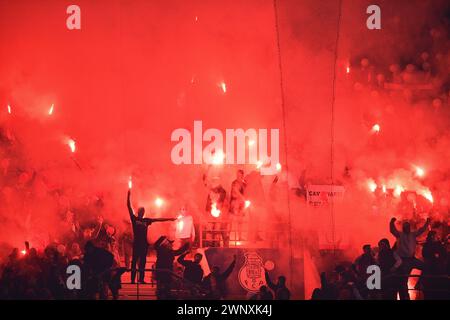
{"x": 14, "y": 254}
{"x": 240, "y": 174}
{"x": 406, "y": 227}
{"x": 384, "y": 244}
{"x": 282, "y": 281}
{"x": 263, "y": 289}
{"x": 141, "y": 212}
{"x": 367, "y": 249}
{"x": 32, "y": 253}
{"x": 215, "y": 270}
{"x": 198, "y": 257}
{"x": 431, "y": 236}
{"x": 89, "y": 247}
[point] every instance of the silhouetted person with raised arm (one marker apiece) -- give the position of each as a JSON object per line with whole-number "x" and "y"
{"x": 279, "y": 288}
{"x": 193, "y": 271}
{"x": 164, "y": 265}
{"x": 406, "y": 249}
{"x": 140, "y": 245}
{"x": 215, "y": 282}
{"x": 97, "y": 270}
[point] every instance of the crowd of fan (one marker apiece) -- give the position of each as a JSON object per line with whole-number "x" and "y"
{"x": 351, "y": 281}
{"x": 423, "y": 77}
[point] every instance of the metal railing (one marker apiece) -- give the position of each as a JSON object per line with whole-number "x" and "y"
{"x": 180, "y": 283}
{"x": 221, "y": 232}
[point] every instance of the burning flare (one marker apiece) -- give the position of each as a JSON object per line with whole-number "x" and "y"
{"x": 218, "y": 157}
{"x": 214, "y": 211}
{"x": 9, "y": 109}
{"x": 159, "y": 202}
{"x": 72, "y": 145}
{"x": 420, "y": 172}
{"x": 372, "y": 185}
{"x": 247, "y": 203}
{"x": 130, "y": 183}
{"x": 426, "y": 193}
{"x": 376, "y": 128}
{"x": 223, "y": 86}
{"x": 50, "y": 111}
{"x": 398, "y": 191}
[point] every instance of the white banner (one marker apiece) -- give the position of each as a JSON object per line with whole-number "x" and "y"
{"x": 322, "y": 195}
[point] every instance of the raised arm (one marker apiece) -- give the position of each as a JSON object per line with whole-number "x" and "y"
{"x": 181, "y": 250}
{"x": 393, "y": 229}
{"x": 270, "y": 284}
{"x": 424, "y": 228}
{"x": 229, "y": 270}
{"x": 181, "y": 259}
{"x": 161, "y": 219}
{"x": 130, "y": 209}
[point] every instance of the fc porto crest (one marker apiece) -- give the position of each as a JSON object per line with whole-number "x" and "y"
{"x": 252, "y": 274}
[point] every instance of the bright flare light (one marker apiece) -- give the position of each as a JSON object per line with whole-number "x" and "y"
{"x": 50, "y": 111}
{"x": 159, "y": 202}
{"x": 214, "y": 211}
{"x": 23, "y": 252}
{"x": 247, "y": 203}
{"x": 384, "y": 188}
{"x": 372, "y": 185}
{"x": 348, "y": 70}
{"x": 420, "y": 172}
{"x": 72, "y": 145}
{"x": 130, "y": 183}
{"x": 9, "y": 109}
{"x": 426, "y": 193}
{"x": 218, "y": 157}
{"x": 223, "y": 86}
{"x": 259, "y": 164}
{"x": 278, "y": 167}
{"x": 398, "y": 191}
{"x": 251, "y": 143}
{"x": 376, "y": 128}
